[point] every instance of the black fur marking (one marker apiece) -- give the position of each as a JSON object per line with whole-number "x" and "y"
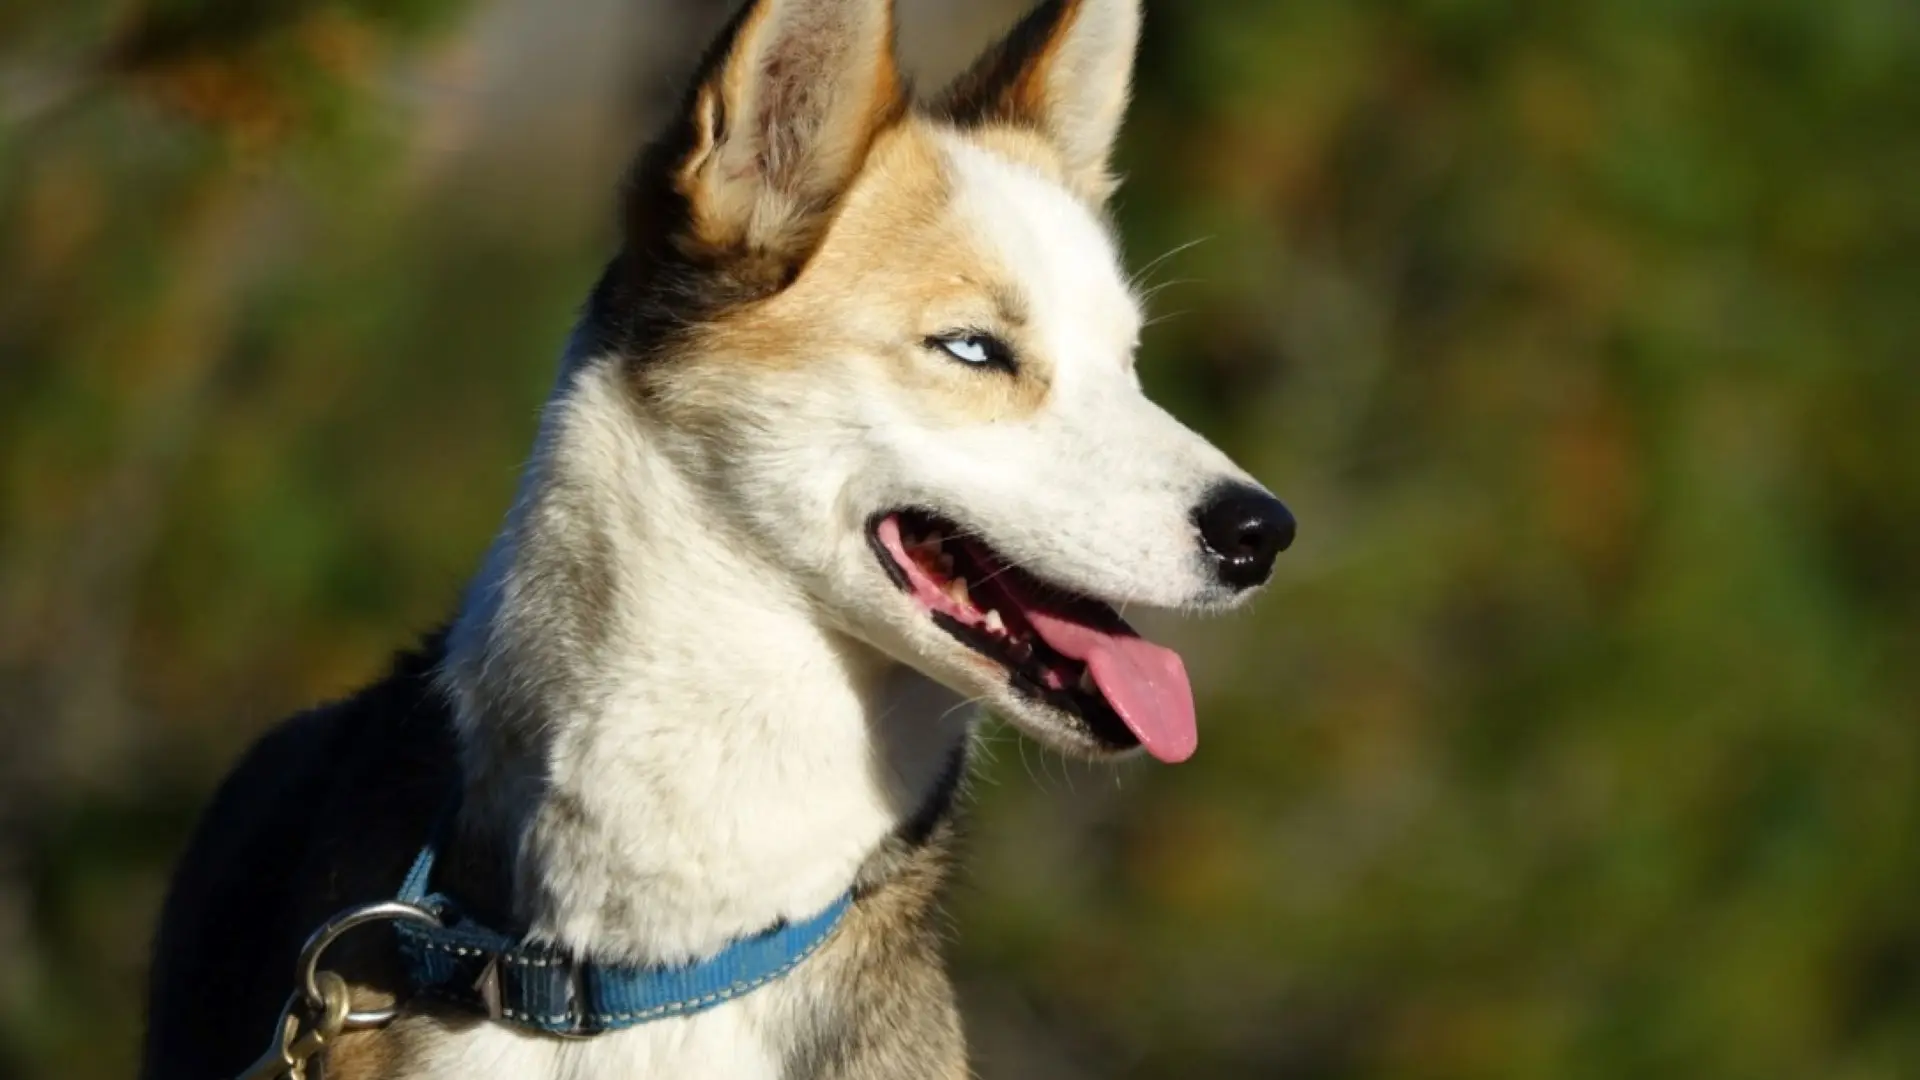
{"x": 989, "y": 92}
{"x": 919, "y": 830}
{"x": 323, "y": 814}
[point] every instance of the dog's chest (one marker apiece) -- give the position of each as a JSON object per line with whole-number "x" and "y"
{"x": 733, "y": 1042}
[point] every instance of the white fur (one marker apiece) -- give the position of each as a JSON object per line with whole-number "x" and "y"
{"x": 727, "y": 1044}
{"x": 720, "y": 739}
{"x": 676, "y": 678}
{"x": 1097, "y": 490}
{"x": 686, "y": 689}
{"x": 712, "y": 759}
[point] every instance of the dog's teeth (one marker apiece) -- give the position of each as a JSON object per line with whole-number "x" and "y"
{"x": 1086, "y": 682}
{"x": 1022, "y": 651}
{"x": 995, "y": 623}
{"x": 957, "y": 592}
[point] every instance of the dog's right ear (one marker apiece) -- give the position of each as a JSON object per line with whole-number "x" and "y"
{"x": 1066, "y": 72}
{"x": 777, "y": 126}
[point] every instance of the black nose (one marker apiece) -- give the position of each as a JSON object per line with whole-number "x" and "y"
{"x": 1244, "y": 530}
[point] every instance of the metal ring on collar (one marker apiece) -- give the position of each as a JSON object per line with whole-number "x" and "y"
{"x": 336, "y": 928}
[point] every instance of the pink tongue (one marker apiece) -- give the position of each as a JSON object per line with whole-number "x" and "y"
{"x": 1146, "y": 684}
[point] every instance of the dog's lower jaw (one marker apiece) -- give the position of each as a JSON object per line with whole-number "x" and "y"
{"x": 674, "y": 751}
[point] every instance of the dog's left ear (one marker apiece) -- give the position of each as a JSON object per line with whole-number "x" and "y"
{"x": 777, "y": 126}
{"x": 1066, "y": 72}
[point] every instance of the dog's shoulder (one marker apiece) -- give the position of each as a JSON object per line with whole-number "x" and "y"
{"x": 322, "y": 813}
{"x": 325, "y": 813}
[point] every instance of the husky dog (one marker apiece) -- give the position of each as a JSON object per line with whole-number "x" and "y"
{"x": 848, "y": 438}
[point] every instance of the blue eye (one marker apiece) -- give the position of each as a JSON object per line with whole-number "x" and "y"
{"x": 975, "y": 350}
{"x": 972, "y": 350}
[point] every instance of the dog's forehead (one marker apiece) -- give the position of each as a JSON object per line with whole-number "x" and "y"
{"x": 1060, "y": 256}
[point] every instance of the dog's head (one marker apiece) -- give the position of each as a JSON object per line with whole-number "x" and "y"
{"x": 896, "y": 344}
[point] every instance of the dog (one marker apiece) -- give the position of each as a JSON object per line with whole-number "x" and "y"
{"x": 847, "y": 441}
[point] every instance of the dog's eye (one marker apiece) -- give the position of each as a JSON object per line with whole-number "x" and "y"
{"x": 975, "y": 350}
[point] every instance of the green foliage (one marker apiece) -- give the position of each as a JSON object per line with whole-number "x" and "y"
{"x": 1577, "y": 740}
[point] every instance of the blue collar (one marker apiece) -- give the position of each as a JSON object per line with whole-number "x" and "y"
{"x": 540, "y": 989}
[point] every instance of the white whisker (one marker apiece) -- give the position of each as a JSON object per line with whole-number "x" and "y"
{"x": 1140, "y": 274}
{"x": 1151, "y": 294}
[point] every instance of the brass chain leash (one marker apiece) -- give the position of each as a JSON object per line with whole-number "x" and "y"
{"x": 304, "y": 1031}
{"x": 320, "y": 1009}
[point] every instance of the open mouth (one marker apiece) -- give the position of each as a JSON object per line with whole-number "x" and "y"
{"x": 1059, "y": 648}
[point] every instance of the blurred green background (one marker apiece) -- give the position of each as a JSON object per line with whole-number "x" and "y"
{"x": 1580, "y": 736}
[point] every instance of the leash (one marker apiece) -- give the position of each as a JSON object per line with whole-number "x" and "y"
{"x": 321, "y": 1008}
{"x": 452, "y": 958}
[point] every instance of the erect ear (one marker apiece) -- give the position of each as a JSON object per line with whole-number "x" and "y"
{"x": 777, "y": 126}
{"x": 1065, "y": 71}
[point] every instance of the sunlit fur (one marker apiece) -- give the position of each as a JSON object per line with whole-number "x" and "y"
{"x": 690, "y": 700}
{"x": 685, "y": 684}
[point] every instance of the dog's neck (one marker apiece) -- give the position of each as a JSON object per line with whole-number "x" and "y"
{"x": 656, "y": 726}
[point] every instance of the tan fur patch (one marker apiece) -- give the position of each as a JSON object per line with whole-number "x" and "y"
{"x": 896, "y": 268}
{"x": 365, "y": 1056}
